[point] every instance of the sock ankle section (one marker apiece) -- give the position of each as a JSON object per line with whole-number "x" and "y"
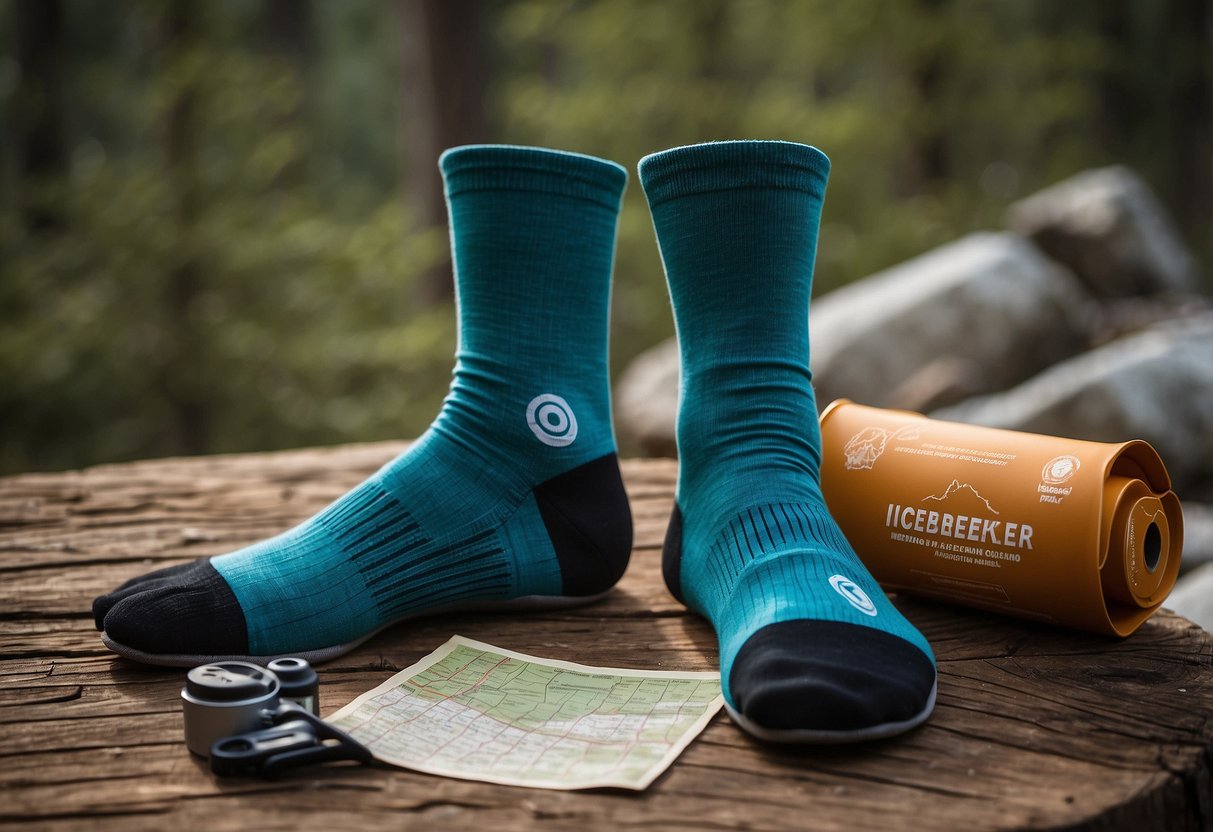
{"x": 532, "y": 239}
{"x": 751, "y": 544}
{"x": 737, "y": 227}
{"x": 512, "y": 494}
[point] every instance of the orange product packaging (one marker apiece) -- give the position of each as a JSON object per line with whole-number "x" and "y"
{"x": 1083, "y": 534}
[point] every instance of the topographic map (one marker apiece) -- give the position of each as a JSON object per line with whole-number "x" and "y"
{"x": 478, "y": 712}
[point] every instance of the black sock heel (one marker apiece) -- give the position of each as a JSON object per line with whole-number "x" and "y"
{"x": 589, "y": 520}
{"x": 671, "y": 555}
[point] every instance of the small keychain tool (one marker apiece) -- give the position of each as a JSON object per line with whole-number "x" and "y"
{"x": 299, "y": 681}
{"x": 235, "y": 715}
{"x": 296, "y": 737}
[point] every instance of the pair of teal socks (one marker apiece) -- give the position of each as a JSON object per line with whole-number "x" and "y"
{"x": 513, "y": 497}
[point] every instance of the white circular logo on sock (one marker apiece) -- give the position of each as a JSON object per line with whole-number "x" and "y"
{"x": 552, "y": 420}
{"x": 854, "y": 596}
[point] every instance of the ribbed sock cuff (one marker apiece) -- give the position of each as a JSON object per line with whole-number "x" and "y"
{"x": 489, "y": 167}
{"x": 719, "y": 166}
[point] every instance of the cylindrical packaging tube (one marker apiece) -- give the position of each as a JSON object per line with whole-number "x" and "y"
{"x": 1082, "y": 534}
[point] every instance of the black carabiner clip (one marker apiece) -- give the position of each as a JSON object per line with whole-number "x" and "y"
{"x": 295, "y": 737}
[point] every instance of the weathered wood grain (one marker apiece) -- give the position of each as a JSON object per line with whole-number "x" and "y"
{"x": 1035, "y": 727}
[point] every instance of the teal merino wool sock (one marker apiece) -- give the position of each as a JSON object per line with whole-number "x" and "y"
{"x": 513, "y": 496}
{"x": 811, "y": 650}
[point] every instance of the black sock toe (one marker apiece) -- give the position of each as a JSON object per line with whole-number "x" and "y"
{"x": 182, "y": 574}
{"x": 192, "y": 612}
{"x": 808, "y": 675}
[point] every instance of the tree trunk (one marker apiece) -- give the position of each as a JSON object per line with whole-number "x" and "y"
{"x": 183, "y": 346}
{"x": 445, "y": 69}
{"x": 929, "y": 160}
{"x": 41, "y": 143}
{"x": 289, "y": 34}
{"x": 1157, "y": 105}
{"x": 1190, "y": 37}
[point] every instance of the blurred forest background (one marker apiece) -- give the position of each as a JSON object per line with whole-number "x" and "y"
{"x": 222, "y": 227}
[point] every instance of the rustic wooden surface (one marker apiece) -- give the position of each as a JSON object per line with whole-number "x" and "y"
{"x": 1035, "y": 728}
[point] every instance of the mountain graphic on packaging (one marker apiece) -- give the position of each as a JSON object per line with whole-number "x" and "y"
{"x": 956, "y": 490}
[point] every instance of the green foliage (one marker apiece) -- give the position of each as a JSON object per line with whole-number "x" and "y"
{"x": 213, "y": 301}
{"x": 295, "y": 333}
{"x": 626, "y": 77}
{"x": 229, "y": 264}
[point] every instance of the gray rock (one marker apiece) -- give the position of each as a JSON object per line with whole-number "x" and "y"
{"x": 1155, "y": 385}
{"x": 1109, "y": 229}
{"x": 1198, "y": 535}
{"x": 646, "y": 401}
{"x": 1193, "y": 597}
{"x": 978, "y": 315}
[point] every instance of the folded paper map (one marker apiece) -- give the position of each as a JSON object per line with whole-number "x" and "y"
{"x": 478, "y": 712}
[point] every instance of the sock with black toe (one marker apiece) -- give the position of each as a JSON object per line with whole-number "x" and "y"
{"x": 810, "y": 647}
{"x": 512, "y": 497}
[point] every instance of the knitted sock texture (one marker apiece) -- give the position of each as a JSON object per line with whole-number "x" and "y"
{"x": 513, "y": 492}
{"x": 806, "y": 635}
